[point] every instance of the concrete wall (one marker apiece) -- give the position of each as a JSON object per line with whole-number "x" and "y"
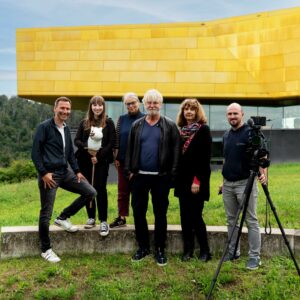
{"x": 23, "y": 241}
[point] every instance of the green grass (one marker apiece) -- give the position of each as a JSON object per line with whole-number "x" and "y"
{"x": 103, "y": 276}
{"x": 19, "y": 203}
{"x": 113, "y": 276}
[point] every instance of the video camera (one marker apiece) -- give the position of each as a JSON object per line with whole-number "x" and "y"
{"x": 257, "y": 143}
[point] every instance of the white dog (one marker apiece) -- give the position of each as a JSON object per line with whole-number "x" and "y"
{"x": 95, "y": 138}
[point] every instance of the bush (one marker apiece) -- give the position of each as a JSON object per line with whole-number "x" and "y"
{"x": 18, "y": 171}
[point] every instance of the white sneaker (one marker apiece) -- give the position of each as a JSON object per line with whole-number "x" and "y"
{"x": 66, "y": 225}
{"x": 50, "y": 256}
{"x": 90, "y": 223}
{"x": 104, "y": 229}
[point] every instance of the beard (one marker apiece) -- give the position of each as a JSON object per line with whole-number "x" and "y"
{"x": 152, "y": 112}
{"x": 235, "y": 123}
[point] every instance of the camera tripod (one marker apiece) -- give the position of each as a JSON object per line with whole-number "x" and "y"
{"x": 243, "y": 206}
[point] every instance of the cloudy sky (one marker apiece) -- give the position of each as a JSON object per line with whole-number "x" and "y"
{"x": 45, "y": 13}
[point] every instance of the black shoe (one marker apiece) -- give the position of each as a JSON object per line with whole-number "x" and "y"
{"x": 205, "y": 257}
{"x": 161, "y": 258}
{"x": 230, "y": 257}
{"x": 140, "y": 254}
{"x": 187, "y": 255}
{"x": 118, "y": 222}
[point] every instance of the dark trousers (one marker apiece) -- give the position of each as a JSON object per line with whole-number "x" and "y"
{"x": 192, "y": 223}
{"x": 123, "y": 192}
{"x": 69, "y": 182}
{"x": 159, "y": 187}
{"x": 100, "y": 182}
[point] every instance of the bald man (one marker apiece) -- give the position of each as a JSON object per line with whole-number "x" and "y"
{"x": 236, "y": 171}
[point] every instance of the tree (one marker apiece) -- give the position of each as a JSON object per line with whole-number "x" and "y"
{"x": 18, "y": 121}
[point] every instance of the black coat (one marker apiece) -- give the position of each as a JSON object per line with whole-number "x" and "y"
{"x": 48, "y": 153}
{"x": 169, "y": 147}
{"x": 104, "y": 155}
{"x": 195, "y": 162}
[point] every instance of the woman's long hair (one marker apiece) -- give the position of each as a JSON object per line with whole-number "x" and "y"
{"x": 90, "y": 119}
{"x": 193, "y": 103}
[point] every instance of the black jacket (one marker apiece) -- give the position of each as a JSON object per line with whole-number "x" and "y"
{"x": 169, "y": 149}
{"x": 105, "y": 154}
{"x": 47, "y": 150}
{"x": 195, "y": 162}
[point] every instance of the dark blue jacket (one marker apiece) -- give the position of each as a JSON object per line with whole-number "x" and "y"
{"x": 236, "y": 158}
{"x": 123, "y": 128}
{"x": 47, "y": 150}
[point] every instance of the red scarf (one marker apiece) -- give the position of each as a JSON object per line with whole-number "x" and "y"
{"x": 187, "y": 133}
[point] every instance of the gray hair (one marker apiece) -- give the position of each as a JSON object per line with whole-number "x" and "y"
{"x": 153, "y": 95}
{"x": 130, "y": 95}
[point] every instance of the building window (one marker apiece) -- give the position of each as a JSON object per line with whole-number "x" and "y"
{"x": 291, "y": 117}
{"x": 277, "y": 117}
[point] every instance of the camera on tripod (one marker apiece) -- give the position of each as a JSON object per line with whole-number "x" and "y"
{"x": 258, "y": 154}
{"x": 257, "y": 143}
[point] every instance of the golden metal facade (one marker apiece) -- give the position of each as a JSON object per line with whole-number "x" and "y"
{"x": 248, "y": 57}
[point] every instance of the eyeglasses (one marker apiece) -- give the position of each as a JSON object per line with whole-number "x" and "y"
{"x": 130, "y": 103}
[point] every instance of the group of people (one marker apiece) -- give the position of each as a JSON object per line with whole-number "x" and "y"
{"x": 152, "y": 155}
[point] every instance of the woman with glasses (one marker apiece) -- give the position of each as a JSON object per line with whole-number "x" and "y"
{"x": 132, "y": 104}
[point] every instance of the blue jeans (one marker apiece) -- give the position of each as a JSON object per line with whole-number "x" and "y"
{"x": 68, "y": 181}
{"x": 232, "y": 196}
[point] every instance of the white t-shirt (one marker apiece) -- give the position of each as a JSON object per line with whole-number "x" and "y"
{"x": 62, "y": 132}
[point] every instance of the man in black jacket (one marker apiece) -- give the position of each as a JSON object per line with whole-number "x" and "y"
{"x": 52, "y": 153}
{"x": 151, "y": 164}
{"x": 236, "y": 172}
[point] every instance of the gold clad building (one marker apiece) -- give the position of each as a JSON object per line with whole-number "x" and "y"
{"x": 253, "y": 59}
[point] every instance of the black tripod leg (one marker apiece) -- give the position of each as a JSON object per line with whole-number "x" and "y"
{"x": 244, "y": 204}
{"x": 247, "y": 194}
{"x": 265, "y": 188}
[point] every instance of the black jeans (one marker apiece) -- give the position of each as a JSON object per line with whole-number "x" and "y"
{"x": 159, "y": 187}
{"x": 100, "y": 183}
{"x": 67, "y": 181}
{"x": 192, "y": 223}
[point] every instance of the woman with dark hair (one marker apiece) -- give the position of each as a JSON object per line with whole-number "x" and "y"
{"x": 95, "y": 139}
{"x": 192, "y": 183}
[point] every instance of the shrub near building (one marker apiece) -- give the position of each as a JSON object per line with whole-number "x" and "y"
{"x": 18, "y": 171}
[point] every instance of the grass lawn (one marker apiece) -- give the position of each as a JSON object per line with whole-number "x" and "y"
{"x": 19, "y": 203}
{"x": 103, "y": 276}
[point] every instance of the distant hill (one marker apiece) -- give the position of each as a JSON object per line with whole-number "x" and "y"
{"x": 18, "y": 121}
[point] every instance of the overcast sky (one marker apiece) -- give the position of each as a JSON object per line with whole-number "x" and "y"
{"x": 45, "y": 13}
